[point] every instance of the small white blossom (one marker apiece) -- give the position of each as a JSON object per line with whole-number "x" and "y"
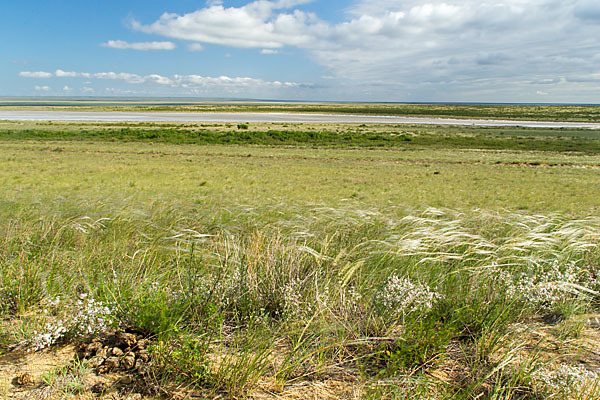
{"x": 547, "y": 287}
{"x": 292, "y": 298}
{"x": 82, "y": 318}
{"x": 567, "y": 378}
{"x": 403, "y": 296}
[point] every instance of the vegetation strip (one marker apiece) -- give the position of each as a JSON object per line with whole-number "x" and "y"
{"x": 362, "y": 136}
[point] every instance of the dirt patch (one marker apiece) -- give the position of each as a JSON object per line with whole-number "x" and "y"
{"x": 79, "y": 372}
{"x": 22, "y": 373}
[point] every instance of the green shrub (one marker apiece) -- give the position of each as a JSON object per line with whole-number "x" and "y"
{"x": 182, "y": 359}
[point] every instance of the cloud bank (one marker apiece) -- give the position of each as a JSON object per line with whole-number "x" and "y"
{"x": 191, "y": 82}
{"x": 445, "y": 49}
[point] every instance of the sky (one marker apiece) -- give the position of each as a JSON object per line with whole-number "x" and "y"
{"x": 539, "y": 51}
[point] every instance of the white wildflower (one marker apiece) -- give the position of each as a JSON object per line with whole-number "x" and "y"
{"x": 403, "y": 296}
{"x": 550, "y": 286}
{"x": 292, "y": 298}
{"x": 567, "y": 378}
{"x": 82, "y": 318}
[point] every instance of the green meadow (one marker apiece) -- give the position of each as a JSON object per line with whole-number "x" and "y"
{"x": 303, "y": 260}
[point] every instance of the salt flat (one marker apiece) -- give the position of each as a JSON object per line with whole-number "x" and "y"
{"x": 112, "y": 116}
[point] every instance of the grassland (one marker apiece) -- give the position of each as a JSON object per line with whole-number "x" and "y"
{"x": 323, "y": 261}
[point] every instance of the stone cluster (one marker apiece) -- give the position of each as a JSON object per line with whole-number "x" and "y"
{"x": 121, "y": 351}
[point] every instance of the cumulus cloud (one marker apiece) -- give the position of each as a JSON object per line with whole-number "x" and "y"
{"x": 131, "y": 78}
{"x": 144, "y": 46}
{"x": 460, "y": 49}
{"x": 42, "y": 88}
{"x": 257, "y": 24}
{"x": 195, "y": 47}
{"x": 228, "y": 82}
{"x": 64, "y": 74}
{"x": 124, "y": 76}
{"x": 38, "y": 74}
{"x": 232, "y": 84}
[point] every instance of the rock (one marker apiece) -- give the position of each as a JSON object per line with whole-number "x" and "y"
{"x": 128, "y": 361}
{"x": 116, "y": 352}
{"x": 92, "y": 349}
{"x": 24, "y": 378}
{"x": 143, "y": 355}
{"x": 126, "y": 340}
{"x": 99, "y": 387}
{"x": 112, "y": 363}
{"x": 103, "y": 352}
{"x": 142, "y": 344}
{"x": 95, "y": 362}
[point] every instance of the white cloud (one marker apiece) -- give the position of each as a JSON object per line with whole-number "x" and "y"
{"x": 124, "y": 76}
{"x": 88, "y": 90}
{"x": 38, "y": 74}
{"x": 268, "y": 51}
{"x": 42, "y": 88}
{"x": 64, "y": 74}
{"x": 161, "y": 80}
{"x": 411, "y": 49}
{"x": 228, "y": 82}
{"x": 195, "y": 47}
{"x": 67, "y": 89}
{"x": 257, "y": 24}
{"x": 144, "y": 46}
{"x": 188, "y": 82}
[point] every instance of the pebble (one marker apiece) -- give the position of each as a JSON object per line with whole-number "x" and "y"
{"x": 95, "y": 362}
{"x": 24, "y": 378}
{"x": 116, "y": 352}
{"x": 144, "y": 355}
{"x": 126, "y": 380}
{"x": 126, "y": 339}
{"x": 99, "y": 387}
{"x": 128, "y": 361}
{"x": 112, "y": 363}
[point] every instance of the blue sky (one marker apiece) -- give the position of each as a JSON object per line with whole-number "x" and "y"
{"x": 353, "y": 50}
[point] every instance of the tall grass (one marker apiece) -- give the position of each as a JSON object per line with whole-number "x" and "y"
{"x": 360, "y": 297}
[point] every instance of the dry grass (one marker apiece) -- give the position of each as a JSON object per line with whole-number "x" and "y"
{"x": 341, "y": 274}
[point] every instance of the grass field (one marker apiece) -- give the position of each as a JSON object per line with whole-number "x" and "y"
{"x": 300, "y": 261}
